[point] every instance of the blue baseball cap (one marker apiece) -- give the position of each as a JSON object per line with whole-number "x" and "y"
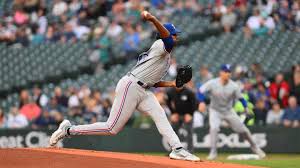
{"x": 226, "y": 68}
{"x": 171, "y": 28}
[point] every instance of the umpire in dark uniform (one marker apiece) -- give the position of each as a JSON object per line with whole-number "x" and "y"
{"x": 182, "y": 103}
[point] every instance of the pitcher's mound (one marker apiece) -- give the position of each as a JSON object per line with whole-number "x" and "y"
{"x": 74, "y": 158}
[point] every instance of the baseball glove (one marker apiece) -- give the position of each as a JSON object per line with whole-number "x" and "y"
{"x": 184, "y": 75}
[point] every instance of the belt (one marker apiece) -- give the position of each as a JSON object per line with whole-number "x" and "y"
{"x": 142, "y": 84}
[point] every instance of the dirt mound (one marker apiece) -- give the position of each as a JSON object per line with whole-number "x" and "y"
{"x": 74, "y": 158}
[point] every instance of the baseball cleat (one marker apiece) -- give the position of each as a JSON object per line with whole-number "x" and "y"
{"x": 182, "y": 154}
{"x": 259, "y": 152}
{"x": 212, "y": 156}
{"x": 60, "y": 133}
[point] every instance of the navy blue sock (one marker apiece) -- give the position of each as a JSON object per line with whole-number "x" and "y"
{"x": 68, "y": 131}
{"x": 178, "y": 148}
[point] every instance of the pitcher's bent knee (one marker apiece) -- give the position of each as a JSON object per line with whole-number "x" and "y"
{"x": 115, "y": 131}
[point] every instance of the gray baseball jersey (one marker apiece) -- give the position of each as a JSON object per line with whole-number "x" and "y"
{"x": 221, "y": 96}
{"x": 152, "y": 65}
{"x": 150, "y": 68}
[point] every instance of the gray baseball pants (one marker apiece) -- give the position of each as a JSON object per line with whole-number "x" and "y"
{"x": 130, "y": 97}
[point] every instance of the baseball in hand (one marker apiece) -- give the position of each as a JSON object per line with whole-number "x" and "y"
{"x": 144, "y": 14}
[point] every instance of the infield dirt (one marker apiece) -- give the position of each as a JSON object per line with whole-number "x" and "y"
{"x": 74, "y": 158}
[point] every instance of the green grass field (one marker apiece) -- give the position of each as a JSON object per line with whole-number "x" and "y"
{"x": 271, "y": 161}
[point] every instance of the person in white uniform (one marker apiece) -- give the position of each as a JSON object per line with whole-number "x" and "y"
{"x": 132, "y": 93}
{"x": 223, "y": 92}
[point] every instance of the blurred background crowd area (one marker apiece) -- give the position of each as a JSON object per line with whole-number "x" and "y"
{"x": 41, "y": 38}
{"x": 107, "y": 22}
{"x": 271, "y": 101}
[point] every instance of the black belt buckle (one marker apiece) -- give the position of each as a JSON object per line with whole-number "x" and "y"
{"x": 143, "y": 84}
{"x": 140, "y": 83}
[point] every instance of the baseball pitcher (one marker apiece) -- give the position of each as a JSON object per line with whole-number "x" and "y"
{"x": 132, "y": 93}
{"x": 223, "y": 92}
